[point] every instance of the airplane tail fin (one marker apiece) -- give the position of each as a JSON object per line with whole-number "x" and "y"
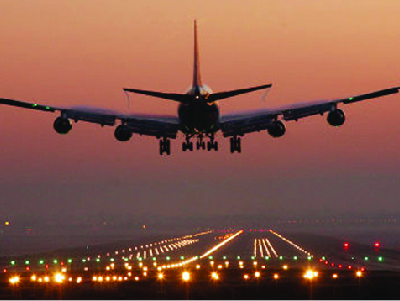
{"x": 196, "y": 63}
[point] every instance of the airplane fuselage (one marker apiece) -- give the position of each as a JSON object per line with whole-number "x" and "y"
{"x": 199, "y": 117}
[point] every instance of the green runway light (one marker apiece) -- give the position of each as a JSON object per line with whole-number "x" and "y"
{"x": 309, "y": 258}
{"x": 280, "y": 257}
{"x": 352, "y": 258}
{"x": 41, "y": 261}
{"x": 26, "y": 261}
{"x": 47, "y": 108}
{"x": 238, "y": 257}
{"x": 83, "y": 260}
{"x": 366, "y": 258}
{"x": 70, "y": 260}
{"x": 55, "y": 261}
{"x": 266, "y": 257}
{"x": 112, "y": 259}
{"x": 224, "y": 257}
{"x": 351, "y": 98}
{"x": 210, "y": 257}
{"x": 12, "y": 262}
{"x": 323, "y": 258}
{"x": 253, "y": 257}
{"x": 294, "y": 257}
{"x": 380, "y": 258}
{"x": 182, "y": 257}
{"x": 98, "y": 259}
{"x": 154, "y": 258}
{"x": 168, "y": 258}
{"x": 140, "y": 258}
{"x": 35, "y": 105}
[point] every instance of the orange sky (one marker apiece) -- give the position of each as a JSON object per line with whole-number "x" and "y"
{"x": 86, "y": 51}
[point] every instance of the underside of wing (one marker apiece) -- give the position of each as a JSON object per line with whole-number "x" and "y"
{"x": 267, "y": 119}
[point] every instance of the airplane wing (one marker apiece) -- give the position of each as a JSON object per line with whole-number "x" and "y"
{"x": 149, "y": 125}
{"x": 241, "y": 123}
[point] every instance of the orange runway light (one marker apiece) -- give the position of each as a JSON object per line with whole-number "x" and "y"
{"x": 186, "y": 276}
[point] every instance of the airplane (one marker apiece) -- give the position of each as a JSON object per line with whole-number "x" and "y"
{"x": 198, "y": 115}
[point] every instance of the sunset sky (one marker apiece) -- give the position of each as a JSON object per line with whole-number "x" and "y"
{"x": 84, "y": 52}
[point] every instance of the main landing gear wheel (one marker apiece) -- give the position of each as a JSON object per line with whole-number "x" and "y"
{"x": 236, "y": 144}
{"x": 212, "y": 145}
{"x": 187, "y": 146}
{"x": 165, "y": 146}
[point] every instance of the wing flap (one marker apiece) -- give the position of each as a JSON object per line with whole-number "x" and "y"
{"x": 152, "y": 127}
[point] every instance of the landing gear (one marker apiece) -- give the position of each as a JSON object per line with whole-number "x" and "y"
{"x": 236, "y": 144}
{"x": 165, "y": 146}
{"x": 212, "y": 145}
{"x": 200, "y": 143}
{"x": 187, "y": 145}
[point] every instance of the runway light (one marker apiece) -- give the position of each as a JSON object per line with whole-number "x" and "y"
{"x": 246, "y": 277}
{"x": 185, "y": 276}
{"x": 160, "y": 276}
{"x": 214, "y": 276}
{"x": 380, "y": 258}
{"x": 255, "y": 263}
{"x": 137, "y": 278}
{"x": 285, "y": 267}
{"x": 198, "y": 266}
{"x": 366, "y": 258}
{"x": 266, "y": 257}
{"x": 59, "y": 278}
{"x": 26, "y": 262}
{"x": 257, "y": 274}
{"x": 276, "y": 276}
{"x": 310, "y": 274}
{"x": 12, "y": 262}
{"x": 335, "y": 276}
{"x": 14, "y": 279}
{"x": 33, "y": 278}
{"x": 46, "y": 279}
{"x": 309, "y": 258}
{"x": 70, "y": 260}
{"x": 359, "y": 274}
{"x": 79, "y": 280}
{"x": 294, "y": 257}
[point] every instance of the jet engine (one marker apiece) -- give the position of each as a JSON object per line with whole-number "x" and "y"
{"x": 336, "y": 117}
{"x": 62, "y": 125}
{"x": 122, "y": 133}
{"x": 276, "y": 129}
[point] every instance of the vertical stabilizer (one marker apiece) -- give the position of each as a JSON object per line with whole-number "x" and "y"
{"x": 196, "y": 63}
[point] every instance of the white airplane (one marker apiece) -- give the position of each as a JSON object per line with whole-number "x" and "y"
{"x": 198, "y": 115}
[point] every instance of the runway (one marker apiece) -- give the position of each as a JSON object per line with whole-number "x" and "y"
{"x": 231, "y": 256}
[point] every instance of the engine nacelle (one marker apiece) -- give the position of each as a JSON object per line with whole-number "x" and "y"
{"x": 336, "y": 117}
{"x": 276, "y": 129}
{"x": 122, "y": 133}
{"x": 62, "y": 125}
